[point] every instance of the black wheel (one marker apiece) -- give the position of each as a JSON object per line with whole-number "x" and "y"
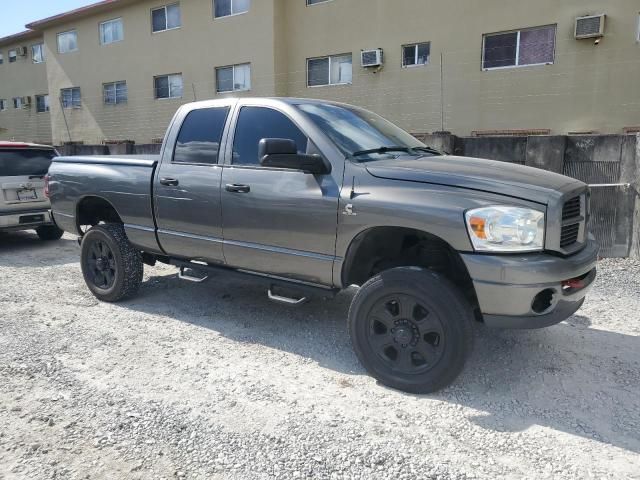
{"x": 411, "y": 329}
{"x": 111, "y": 266}
{"x": 49, "y": 232}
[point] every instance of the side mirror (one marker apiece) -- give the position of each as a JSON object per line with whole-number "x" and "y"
{"x": 283, "y": 153}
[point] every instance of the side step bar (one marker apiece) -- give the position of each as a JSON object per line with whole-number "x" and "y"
{"x": 273, "y": 282}
{"x": 292, "y": 302}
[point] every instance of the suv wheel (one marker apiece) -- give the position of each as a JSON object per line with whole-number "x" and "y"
{"x": 111, "y": 266}
{"x": 49, "y": 232}
{"x": 411, "y": 329}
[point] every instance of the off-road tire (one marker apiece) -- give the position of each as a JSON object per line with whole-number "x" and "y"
{"x": 126, "y": 260}
{"x": 452, "y": 318}
{"x": 49, "y": 232}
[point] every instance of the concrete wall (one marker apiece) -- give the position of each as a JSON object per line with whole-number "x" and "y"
{"x": 610, "y": 163}
{"x": 19, "y": 79}
{"x": 588, "y": 87}
{"x": 195, "y": 50}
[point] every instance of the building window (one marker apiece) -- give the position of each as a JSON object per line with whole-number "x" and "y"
{"x": 332, "y": 70}
{"x": 68, "y": 41}
{"x": 315, "y": 2}
{"x": 17, "y": 102}
{"x": 42, "y": 103}
{"x": 111, "y": 31}
{"x": 1, "y": 58}
{"x": 416, "y": 54}
{"x": 167, "y": 17}
{"x": 37, "y": 53}
{"x": 226, "y": 8}
{"x": 115, "y": 93}
{"x": 168, "y": 86}
{"x": 13, "y": 55}
{"x": 236, "y": 78}
{"x": 71, "y": 97}
{"x": 3, "y": 104}
{"x": 533, "y": 46}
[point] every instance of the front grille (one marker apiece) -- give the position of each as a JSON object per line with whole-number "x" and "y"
{"x": 571, "y": 210}
{"x": 569, "y": 235}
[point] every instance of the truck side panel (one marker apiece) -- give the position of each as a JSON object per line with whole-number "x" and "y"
{"x": 123, "y": 183}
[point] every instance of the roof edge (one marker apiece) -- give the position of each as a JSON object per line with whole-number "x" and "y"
{"x": 25, "y": 35}
{"x": 71, "y": 14}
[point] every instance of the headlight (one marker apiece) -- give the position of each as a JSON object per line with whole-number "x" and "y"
{"x": 506, "y": 229}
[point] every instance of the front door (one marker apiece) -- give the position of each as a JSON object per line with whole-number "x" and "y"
{"x": 276, "y": 221}
{"x": 187, "y": 189}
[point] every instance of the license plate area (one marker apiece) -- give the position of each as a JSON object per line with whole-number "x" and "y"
{"x": 31, "y": 219}
{"x": 27, "y": 194}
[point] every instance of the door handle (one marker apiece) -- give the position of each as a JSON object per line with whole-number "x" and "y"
{"x": 169, "y": 182}
{"x": 235, "y": 188}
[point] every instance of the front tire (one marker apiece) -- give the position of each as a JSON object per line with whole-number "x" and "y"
{"x": 111, "y": 266}
{"x": 411, "y": 329}
{"x": 49, "y": 232}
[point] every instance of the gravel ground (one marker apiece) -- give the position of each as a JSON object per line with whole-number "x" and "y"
{"x": 214, "y": 381}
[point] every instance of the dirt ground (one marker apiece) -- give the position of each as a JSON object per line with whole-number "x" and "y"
{"x": 214, "y": 381}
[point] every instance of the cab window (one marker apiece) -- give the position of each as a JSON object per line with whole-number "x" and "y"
{"x": 256, "y": 123}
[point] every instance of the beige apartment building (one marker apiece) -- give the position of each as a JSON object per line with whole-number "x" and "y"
{"x": 117, "y": 70}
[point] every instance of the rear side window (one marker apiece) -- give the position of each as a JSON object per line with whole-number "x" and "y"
{"x": 256, "y": 123}
{"x": 23, "y": 163}
{"x": 200, "y": 136}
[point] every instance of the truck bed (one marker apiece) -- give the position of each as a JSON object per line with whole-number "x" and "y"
{"x": 125, "y": 181}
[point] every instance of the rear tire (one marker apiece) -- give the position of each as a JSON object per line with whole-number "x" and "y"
{"x": 111, "y": 266}
{"x": 49, "y": 232}
{"x": 411, "y": 329}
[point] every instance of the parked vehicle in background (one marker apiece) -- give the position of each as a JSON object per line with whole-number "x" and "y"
{"x": 23, "y": 203}
{"x": 314, "y": 196}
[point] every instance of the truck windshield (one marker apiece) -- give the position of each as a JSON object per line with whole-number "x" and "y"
{"x": 363, "y": 133}
{"x": 21, "y": 162}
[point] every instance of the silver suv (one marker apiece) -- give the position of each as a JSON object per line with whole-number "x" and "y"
{"x": 23, "y": 203}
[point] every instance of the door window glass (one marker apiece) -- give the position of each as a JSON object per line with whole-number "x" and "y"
{"x": 256, "y": 123}
{"x": 200, "y": 136}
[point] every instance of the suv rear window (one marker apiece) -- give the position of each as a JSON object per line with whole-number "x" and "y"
{"x": 23, "y": 162}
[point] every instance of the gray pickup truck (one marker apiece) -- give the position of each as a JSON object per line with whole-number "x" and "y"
{"x": 312, "y": 197}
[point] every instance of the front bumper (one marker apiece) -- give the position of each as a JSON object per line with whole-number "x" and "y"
{"x": 508, "y": 285}
{"x": 25, "y": 220}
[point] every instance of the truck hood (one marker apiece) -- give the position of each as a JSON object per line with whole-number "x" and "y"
{"x": 491, "y": 176}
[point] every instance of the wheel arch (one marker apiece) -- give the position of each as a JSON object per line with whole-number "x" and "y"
{"x": 383, "y": 247}
{"x": 93, "y": 209}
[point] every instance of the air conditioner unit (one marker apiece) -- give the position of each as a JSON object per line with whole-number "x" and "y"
{"x": 372, "y": 58}
{"x": 21, "y": 51}
{"x": 591, "y": 26}
{"x": 26, "y": 102}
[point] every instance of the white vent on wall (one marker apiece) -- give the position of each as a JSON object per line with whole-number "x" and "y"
{"x": 372, "y": 58}
{"x": 26, "y": 102}
{"x": 591, "y": 26}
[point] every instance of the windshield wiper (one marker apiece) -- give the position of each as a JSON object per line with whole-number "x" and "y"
{"x": 381, "y": 150}
{"x": 410, "y": 150}
{"x": 427, "y": 150}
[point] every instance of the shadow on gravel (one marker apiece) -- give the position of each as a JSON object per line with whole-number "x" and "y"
{"x": 14, "y": 245}
{"x": 569, "y": 377}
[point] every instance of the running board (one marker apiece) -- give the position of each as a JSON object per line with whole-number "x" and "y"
{"x": 306, "y": 289}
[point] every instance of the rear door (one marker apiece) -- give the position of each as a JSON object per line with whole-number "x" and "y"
{"x": 22, "y": 172}
{"x": 187, "y": 186}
